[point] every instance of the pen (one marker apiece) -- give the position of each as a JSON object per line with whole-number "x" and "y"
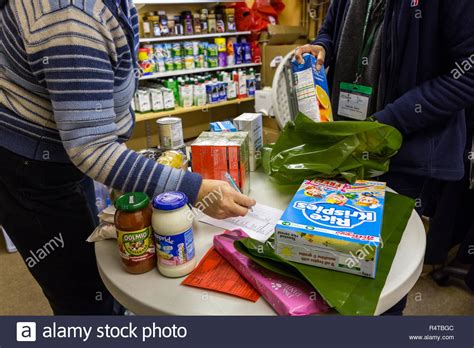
{"x": 232, "y": 183}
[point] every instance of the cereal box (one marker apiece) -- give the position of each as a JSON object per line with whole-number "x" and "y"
{"x": 214, "y": 154}
{"x": 312, "y": 91}
{"x": 334, "y": 225}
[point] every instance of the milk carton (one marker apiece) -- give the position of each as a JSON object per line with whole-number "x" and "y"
{"x": 334, "y": 225}
{"x": 312, "y": 91}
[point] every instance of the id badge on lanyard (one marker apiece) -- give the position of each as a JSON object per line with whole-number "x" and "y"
{"x": 354, "y": 98}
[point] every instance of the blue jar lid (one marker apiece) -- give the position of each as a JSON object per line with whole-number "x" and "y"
{"x": 170, "y": 201}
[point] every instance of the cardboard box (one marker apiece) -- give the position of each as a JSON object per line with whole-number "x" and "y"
{"x": 334, "y": 225}
{"x": 223, "y": 126}
{"x": 269, "y": 53}
{"x": 252, "y": 124}
{"x": 277, "y": 42}
{"x": 214, "y": 154}
{"x": 278, "y": 34}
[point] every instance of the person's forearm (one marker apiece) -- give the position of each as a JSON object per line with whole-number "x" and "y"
{"x": 77, "y": 66}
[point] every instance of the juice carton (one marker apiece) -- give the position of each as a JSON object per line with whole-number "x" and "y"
{"x": 253, "y": 124}
{"x": 214, "y": 154}
{"x": 334, "y": 225}
{"x": 312, "y": 91}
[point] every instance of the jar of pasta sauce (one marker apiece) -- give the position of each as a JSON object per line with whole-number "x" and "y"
{"x": 134, "y": 232}
{"x": 172, "y": 223}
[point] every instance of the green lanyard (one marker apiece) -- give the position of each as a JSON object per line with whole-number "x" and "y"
{"x": 368, "y": 39}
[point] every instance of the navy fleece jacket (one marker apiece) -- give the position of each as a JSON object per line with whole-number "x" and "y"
{"x": 428, "y": 74}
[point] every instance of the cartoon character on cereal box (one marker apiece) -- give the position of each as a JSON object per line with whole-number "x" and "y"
{"x": 314, "y": 191}
{"x": 368, "y": 200}
{"x": 337, "y": 198}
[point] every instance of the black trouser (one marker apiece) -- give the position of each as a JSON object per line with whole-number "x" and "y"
{"x": 411, "y": 186}
{"x": 48, "y": 211}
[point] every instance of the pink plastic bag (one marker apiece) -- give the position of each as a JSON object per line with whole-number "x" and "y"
{"x": 286, "y": 295}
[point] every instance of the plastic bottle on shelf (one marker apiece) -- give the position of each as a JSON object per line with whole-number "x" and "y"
{"x": 203, "y": 20}
{"x": 197, "y": 23}
{"x": 242, "y": 84}
{"x": 146, "y": 25}
{"x": 251, "y": 83}
{"x": 230, "y": 19}
{"x": 220, "y": 25}
{"x": 212, "y": 22}
{"x": 171, "y": 26}
{"x": 178, "y": 26}
{"x": 188, "y": 22}
{"x": 165, "y": 31}
{"x": 154, "y": 23}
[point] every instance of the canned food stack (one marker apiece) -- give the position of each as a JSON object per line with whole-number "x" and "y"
{"x": 190, "y": 55}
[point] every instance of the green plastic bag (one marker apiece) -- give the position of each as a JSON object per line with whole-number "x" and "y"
{"x": 347, "y": 149}
{"x": 347, "y": 293}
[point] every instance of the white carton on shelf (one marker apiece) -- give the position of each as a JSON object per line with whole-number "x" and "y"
{"x": 252, "y": 123}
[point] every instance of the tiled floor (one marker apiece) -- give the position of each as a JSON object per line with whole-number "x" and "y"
{"x": 20, "y": 295}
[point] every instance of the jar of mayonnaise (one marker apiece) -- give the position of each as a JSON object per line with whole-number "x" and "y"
{"x": 172, "y": 222}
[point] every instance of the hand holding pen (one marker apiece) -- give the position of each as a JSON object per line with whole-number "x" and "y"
{"x": 220, "y": 200}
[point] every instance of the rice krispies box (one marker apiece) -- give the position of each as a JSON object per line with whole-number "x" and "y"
{"x": 334, "y": 225}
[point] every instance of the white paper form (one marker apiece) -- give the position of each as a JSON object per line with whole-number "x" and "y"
{"x": 259, "y": 224}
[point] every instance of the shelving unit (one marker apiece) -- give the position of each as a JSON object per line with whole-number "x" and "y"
{"x": 193, "y": 37}
{"x": 196, "y": 118}
{"x": 196, "y": 71}
{"x": 141, "y": 117}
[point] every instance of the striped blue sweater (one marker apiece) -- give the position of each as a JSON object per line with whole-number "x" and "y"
{"x": 67, "y": 78}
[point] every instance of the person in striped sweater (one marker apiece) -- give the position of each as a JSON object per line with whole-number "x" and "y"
{"x": 68, "y": 72}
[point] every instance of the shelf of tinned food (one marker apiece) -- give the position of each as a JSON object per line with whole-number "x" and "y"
{"x": 196, "y": 71}
{"x": 148, "y": 116}
{"x": 193, "y": 37}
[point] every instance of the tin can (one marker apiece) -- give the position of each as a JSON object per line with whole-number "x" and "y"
{"x": 170, "y": 130}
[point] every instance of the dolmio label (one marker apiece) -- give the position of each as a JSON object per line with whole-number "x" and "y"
{"x": 136, "y": 245}
{"x": 327, "y": 215}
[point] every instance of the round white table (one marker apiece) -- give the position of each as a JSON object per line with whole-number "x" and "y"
{"x": 153, "y": 294}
